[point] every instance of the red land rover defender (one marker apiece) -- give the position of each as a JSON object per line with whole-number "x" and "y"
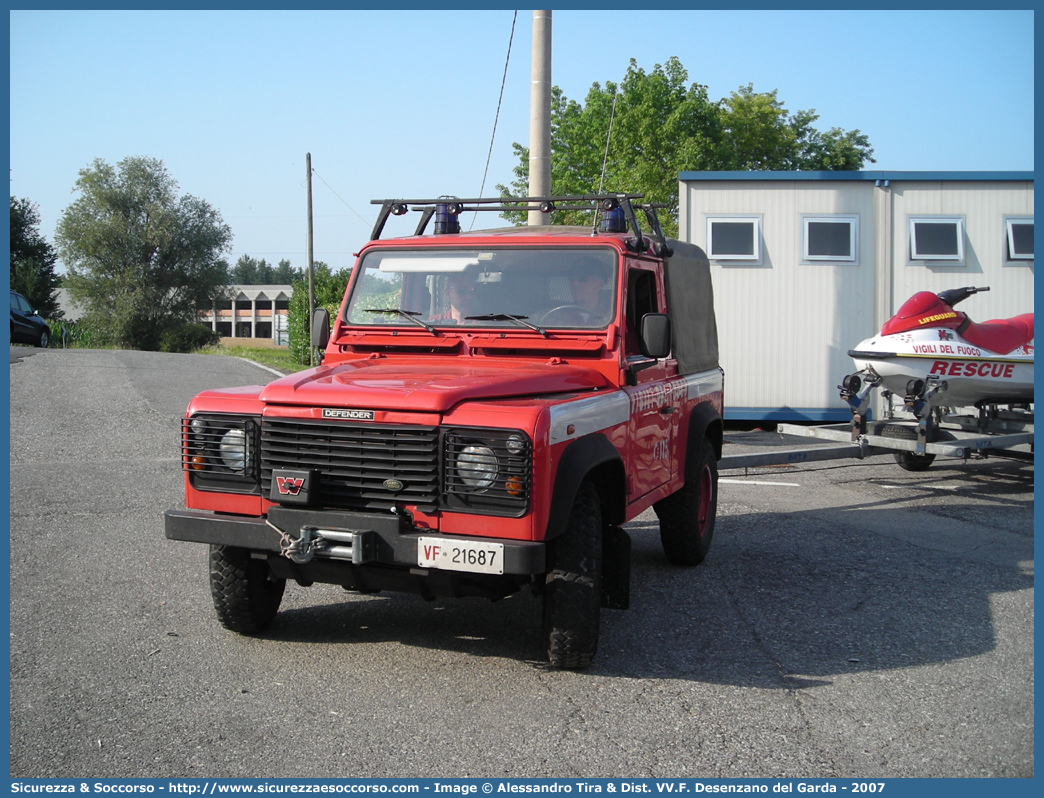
{"x": 491, "y": 408}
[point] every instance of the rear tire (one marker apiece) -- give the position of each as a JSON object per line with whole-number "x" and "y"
{"x": 246, "y": 597}
{"x": 687, "y": 516}
{"x": 908, "y": 461}
{"x": 573, "y": 585}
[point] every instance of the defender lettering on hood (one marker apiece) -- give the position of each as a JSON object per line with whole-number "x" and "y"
{"x": 348, "y": 415}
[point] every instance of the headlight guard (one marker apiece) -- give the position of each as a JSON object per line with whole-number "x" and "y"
{"x": 487, "y": 471}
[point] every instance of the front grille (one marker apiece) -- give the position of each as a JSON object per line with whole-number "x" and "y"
{"x": 361, "y": 465}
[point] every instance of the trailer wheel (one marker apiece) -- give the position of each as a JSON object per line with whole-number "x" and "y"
{"x": 246, "y": 597}
{"x": 573, "y": 585}
{"x": 908, "y": 461}
{"x": 687, "y": 516}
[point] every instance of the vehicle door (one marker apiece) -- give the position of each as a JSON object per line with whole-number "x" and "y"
{"x": 21, "y": 327}
{"x": 654, "y": 413}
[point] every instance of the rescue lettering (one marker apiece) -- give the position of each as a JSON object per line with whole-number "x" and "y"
{"x": 658, "y": 395}
{"x": 960, "y": 368}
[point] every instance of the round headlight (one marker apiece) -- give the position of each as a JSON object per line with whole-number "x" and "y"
{"x": 515, "y": 444}
{"x": 477, "y": 466}
{"x": 198, "y": 425}
{"x": 233, "y": 450}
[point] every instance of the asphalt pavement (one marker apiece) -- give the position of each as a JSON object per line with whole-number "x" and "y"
{"x": 852, "y": 620}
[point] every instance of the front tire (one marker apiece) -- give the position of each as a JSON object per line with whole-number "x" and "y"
{"x": 246, "y": 598}
{"x": 908, "y": 461}
{"x": 687, "y": 516}
{"x": 573, "y": 585}
{"x": 44, "y": 340}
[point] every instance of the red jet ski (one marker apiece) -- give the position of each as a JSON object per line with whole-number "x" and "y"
{"x": 929, "y": 344}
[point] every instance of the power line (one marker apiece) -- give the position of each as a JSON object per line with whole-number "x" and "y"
{"x": 368, "y": 224}
{"x": 496, "y": 118}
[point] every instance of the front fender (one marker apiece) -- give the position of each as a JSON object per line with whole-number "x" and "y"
{"x": 590, "y": 456}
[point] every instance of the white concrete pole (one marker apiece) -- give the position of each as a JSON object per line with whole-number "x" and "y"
{"x": 311, "y": 263}
{"x": 540, "y": 113}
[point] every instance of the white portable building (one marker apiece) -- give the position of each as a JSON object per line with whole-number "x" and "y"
{"x": 805, "y": 265}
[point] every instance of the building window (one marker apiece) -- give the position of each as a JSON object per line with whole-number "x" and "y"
{"x": 1020, "y": 238}
{"x": 734, "y": 238}
{"x": 937, "y": 238}
{"x": 833, "y": 239}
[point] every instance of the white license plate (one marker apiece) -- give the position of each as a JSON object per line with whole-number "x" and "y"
{"x": 460, "y": 555}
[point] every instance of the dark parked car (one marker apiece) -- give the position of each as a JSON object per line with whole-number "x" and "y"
{"x": 26, "y": 324}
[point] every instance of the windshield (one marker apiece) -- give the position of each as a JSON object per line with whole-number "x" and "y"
{"x": 535, "y": 288}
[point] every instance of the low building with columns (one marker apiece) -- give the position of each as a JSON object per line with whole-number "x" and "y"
{"x": 254, "y": 311}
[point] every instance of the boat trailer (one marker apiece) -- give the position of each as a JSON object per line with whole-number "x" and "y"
{"x": 992, "y": 433}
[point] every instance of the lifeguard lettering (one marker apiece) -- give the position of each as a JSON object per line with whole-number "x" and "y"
{"x": 937, "y": 317}
{"x": 960, "y": 368}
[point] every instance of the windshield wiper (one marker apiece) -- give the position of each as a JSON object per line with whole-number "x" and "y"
{"x": 406, "y": 314}
{"x": 508, "y": 317}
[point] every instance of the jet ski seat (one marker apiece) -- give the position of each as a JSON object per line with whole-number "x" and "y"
{"x": 999, "y": 335}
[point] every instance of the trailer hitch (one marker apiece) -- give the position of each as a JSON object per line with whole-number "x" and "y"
{"x": 302, "y": 549}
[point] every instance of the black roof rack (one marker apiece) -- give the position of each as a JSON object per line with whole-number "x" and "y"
{"x": 455, "y": 206}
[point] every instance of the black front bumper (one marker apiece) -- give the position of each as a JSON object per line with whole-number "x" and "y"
{"x": 394, "y": 539}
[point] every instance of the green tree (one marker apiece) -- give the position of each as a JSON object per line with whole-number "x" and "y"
{"x": 250, "y": 271}
{"x": 33, "y": 260}
{"x": 662, "y": 125}
{"x": 329, "y": 287}
{"x": 141, "y": 258}
{"x": 760, "y": 134}
{"x": 286, "y": 274}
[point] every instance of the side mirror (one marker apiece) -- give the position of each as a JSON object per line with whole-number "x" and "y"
{"x": 320, "y": 328}
{"x": 655, "y": 338}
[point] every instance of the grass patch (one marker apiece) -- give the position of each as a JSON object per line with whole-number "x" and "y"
{"x": 263, "y": 351}
{"x": 277, "y": 357}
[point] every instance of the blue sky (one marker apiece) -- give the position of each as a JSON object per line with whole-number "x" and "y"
{"x": 402, "y": 103}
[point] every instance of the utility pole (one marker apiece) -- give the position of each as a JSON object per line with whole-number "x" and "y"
{"x": 311, "y": 285}
{"x": 540, "y": 113}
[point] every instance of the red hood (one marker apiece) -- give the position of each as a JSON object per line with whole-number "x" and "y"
{"x": 423, "y": 386}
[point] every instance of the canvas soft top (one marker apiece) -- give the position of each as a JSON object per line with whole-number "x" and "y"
{"x": 690, "y": 298}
